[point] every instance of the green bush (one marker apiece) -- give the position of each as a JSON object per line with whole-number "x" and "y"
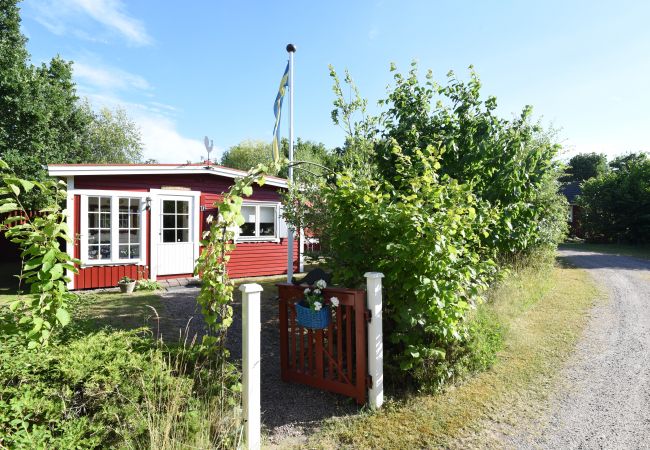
{"x": 476, "y": 352}
{"x": 108, "y": 389}
{"x": 147, "y": 285}
{"x": 617, "y": 204}
{"x": 439, "y": 194}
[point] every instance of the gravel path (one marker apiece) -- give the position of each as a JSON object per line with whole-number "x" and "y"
{"x": 289, "y": 411}
{"x": 604, "y": 399}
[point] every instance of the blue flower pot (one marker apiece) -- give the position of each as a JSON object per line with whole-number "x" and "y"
{"x": 308, "y": 318}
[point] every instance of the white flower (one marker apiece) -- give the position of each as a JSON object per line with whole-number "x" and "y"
{"x": 335, "y": 302}
{"x": 318, "y": 306}
{"x": 317, "y": 291}
{"x": 321, "y": 284}
{"x": 307, "y": 291}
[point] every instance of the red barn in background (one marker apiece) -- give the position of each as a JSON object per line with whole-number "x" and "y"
{"x": 146, "y": 220}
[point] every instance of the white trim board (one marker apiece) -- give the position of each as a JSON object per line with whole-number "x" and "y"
{"x": 63, "y": 171}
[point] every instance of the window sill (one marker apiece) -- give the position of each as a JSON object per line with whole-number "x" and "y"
{"x": 108, "y": 262}
{"x": 256, "y": 239}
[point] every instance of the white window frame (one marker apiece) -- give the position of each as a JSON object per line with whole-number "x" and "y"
{"x": 257, "y": 237}
{"x": 83, "y": 227}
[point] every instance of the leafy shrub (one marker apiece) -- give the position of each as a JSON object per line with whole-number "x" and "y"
{"x": 439, "y": 194}
{"x": 475, "y": 352}
{"x": 617, "y": 204}
{"x": 108, "y": 389}
{"x": 46, "y": 308}
{"x": 147, "y": 285}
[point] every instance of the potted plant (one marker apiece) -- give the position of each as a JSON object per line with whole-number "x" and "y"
{"x": 126, "y": 285}
{"x": 313, "y": 311}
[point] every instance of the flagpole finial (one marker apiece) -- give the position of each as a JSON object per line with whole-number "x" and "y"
{"x": 291, "y": 48}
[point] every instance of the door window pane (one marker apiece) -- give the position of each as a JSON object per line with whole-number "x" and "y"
{"x": 169, "y": 221}
{"x": 182, "y": 236}
{"x": 99, "y": 227}
{"x": 169, "y": 206}
{"x": 169, "y": 236}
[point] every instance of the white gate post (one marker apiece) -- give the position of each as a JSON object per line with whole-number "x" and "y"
{"x": 375, "y": 340}
{"x": 251, "y": 334}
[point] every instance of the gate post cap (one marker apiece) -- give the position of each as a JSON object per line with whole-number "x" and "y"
{"x": 250, "y": 288}
{"x": 373, "y": 275}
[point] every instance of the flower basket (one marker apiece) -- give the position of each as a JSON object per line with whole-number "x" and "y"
{"x": 309, "y": 318}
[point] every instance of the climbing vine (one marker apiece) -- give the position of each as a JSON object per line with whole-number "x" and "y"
{"x": 216, "y": 293}
{"x": 45, "y": 308}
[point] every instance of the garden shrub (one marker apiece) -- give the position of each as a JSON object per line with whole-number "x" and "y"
{"x": 104, "y": 389}
{"x": 616, "y": 205}
{"x": 441, "y": 195}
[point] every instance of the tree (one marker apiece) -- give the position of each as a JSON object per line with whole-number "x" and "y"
{"x": 247, "y": 154}
{"x": 111, "y": 137}
{"x": 431, "y": 192}
{"x": 312, "y": 160}
{"x": 625, "y": 162}
{"x": 250, "y": 153}
{"x": 584, "y": 166}
{"x": 617, "y": 204}
{"x": 42, "y": 120}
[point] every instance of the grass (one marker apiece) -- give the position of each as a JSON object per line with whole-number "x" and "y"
{"x": 637, "y": 251}
{"x": 119, "y": 311}
{"x": 544, "y": 313}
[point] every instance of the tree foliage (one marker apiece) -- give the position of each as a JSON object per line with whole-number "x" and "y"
{"x": 42, "y": 120}
{"x": 249, "y": 154}
{"x": 434, "y": 192}
{"x": 616, "y": 205}
{"x": 111, "y": 137}
{"x": 584, "y": 166}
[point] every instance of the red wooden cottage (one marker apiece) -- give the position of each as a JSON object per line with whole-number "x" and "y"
{"x": 145, "y": 221}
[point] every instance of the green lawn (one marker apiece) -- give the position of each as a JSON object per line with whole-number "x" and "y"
{"x": 544, "y": 313}
{"x": 638, "y": 251}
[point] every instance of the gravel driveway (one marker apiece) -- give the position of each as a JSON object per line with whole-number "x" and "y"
{"x": 604, "y": 398}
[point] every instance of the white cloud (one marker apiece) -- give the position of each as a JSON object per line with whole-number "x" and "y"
{"x": 164, "y": 143}
{"x": 70, "y": 16}
{"x": 108, "y": 77}
{"x": 160, "y": 136}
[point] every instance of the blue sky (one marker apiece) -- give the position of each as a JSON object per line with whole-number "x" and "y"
{"x": 186, "y": 69}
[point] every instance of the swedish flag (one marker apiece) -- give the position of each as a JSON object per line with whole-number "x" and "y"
{"x": 277, "y": 110}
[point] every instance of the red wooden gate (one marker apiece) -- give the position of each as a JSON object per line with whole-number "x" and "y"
{"x": 333, "y": 359}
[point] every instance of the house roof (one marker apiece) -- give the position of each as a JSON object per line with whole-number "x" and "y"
{"x": 70, "y": 170}
{"x": 571, "y": 191}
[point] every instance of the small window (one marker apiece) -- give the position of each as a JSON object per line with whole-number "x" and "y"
{"x": 259, "y": 221}
{"x": 99, "y": 228}
{"x": 129, "y": 228}
{"x": 176, "y": 221}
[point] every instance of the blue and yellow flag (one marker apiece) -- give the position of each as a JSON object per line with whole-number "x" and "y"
{"x": 277, "y": 110}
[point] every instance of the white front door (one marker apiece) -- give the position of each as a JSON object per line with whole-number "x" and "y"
{"x": 175, "y": 248}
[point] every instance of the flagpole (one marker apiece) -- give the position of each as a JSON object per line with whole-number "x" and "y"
{"x": 291, "y": 49}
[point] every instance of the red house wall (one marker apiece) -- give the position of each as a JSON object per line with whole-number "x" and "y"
{"x": 247, "y": 260}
